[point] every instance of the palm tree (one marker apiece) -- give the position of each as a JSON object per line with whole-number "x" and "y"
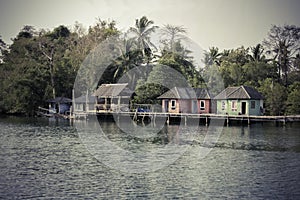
{"x": 3, "y": 47}
{"x": 212, "y": 56}
{"x": 283, "y": 43}
{"x": 257, "y": 54}
{"x": 128, "y": 59}
{"x": 172, "y": 35}
{"x": 142, "y": 31}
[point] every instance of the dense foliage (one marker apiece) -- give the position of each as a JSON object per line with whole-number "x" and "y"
{"x": 43, "y": 64}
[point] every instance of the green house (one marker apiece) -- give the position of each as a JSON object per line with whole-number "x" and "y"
{"x": 242, "y": 100}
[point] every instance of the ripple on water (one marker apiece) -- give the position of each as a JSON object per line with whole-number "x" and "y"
{"x": 41, "y": 159}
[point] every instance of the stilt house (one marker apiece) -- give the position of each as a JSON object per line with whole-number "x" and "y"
{"x": 242, "y": 100}
{"x": 186, "y": 100}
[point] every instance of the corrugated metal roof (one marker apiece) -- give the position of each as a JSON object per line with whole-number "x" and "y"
{"x": 59, "y": 100}
{"x": 82, "y": 99}
{"x": 202, "y": 93}
{"x": 113, "y": 90}
{"x": 185, "y": 93}
{"x": 253, "y": 93}
{"x": 241, "y": 92}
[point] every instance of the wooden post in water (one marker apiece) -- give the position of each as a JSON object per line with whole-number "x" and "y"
{"x": 284, "y": 120}
{"x": 227, "y": 120}
{"x": 119, "y": 104}
{"x": 73, "y": 102}
{"x": 86, "y": 101}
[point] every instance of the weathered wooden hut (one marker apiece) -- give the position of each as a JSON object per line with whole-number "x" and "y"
{"x": 186, "y": 100}
{"x": 112, "y": 96}
{"x": 242, "y": 100}
{"x": 85, "y": 103}
{"x": 59, "y": 105}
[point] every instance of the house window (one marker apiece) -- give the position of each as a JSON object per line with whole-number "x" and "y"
{"x": 233, "y": 105}
{"x": 252, "y": 104}
{"x": 202, "y": 105}
{"x": 173, "y": 104}
{"x": 223, "y": 105}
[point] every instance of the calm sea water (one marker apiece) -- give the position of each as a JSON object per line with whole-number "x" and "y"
{"x": 45, "y": 159}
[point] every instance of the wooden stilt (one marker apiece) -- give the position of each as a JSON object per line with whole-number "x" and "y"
{"x": 227, "y": 121}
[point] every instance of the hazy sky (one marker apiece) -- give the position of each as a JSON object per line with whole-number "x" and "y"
{"x": 222, "y": 23}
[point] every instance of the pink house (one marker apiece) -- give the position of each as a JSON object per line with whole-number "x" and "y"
{"x": 204, "y": 100}
{"x": 186, "y": 100}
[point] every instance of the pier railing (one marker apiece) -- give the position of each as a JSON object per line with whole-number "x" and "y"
{"x": 207, "y": 116}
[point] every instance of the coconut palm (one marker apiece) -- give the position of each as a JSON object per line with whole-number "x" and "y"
{"x": 284, "y": 44}
{"x": 257, "y": 54}
{"x": 212, "y": 56}
{"x": 142, "y": 31}
{"x": 128, "y": 59}
{"x": 172, "y": 35}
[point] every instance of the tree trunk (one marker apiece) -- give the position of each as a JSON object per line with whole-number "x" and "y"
{"x": 51, "y": 68}
{"x": 52, "y": 80}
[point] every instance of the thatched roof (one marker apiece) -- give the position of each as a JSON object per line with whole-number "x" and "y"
{"x": 241, "y": 92}
{"x": 185, "y": 93}
{"x": 113, "y": 90}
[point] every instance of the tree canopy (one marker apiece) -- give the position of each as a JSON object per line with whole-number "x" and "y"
{"x": 42, "y": 64}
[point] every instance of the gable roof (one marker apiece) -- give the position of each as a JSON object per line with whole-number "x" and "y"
{"x": 202, "y": 93}
{"x": 241, "y": 92}
{"x": 82, "y": 99}
{"x": 113, "y": 90}
{"x": 59, "y": 100}
{"x": 185, "y": 93}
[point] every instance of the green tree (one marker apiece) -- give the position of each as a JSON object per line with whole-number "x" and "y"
{"x": 283, "y": 43}
{"x": 275, "y": 96}
{"x": 293, "y": 103}
{"x": 213, "y": 79}
{"x": 52, "y": 45}
{"x": 181, "y": 63}
{"x": 129, "y": 58}
{"x": 255, "y": 71}
{"x": 231, "y": 67}
{"x": 25, "y": 77}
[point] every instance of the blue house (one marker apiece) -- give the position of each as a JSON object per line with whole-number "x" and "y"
{"x": 59, "y": 105}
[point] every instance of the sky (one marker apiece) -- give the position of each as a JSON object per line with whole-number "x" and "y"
{"x": 225, "y": 24}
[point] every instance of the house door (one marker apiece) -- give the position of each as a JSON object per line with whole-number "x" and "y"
{"x": 243, "y": 108}
{"x": 194, "y": 107}
{"x": 166, "y": 106}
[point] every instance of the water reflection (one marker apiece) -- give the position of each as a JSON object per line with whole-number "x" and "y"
{"x": 135, "y": 154}
{"x": 42, "y": 159}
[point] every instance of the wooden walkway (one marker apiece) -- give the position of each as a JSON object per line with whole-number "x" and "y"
{"x": 153, "y": 116}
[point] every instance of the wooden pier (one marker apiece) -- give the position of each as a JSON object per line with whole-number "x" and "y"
{"x": 205, "y": 118}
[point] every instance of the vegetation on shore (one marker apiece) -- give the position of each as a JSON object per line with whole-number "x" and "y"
{"x": 43, "y": 64}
